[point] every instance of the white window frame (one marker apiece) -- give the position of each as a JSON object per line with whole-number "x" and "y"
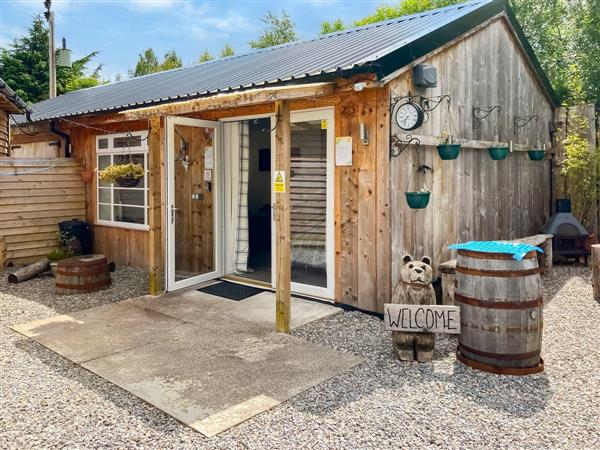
{"x": 112, "y": 151}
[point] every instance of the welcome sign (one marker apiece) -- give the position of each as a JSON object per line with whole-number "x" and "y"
{"x": 422, "y": 318}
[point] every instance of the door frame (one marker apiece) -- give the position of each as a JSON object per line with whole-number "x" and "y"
{"x": 327, "y": 113}
{"x": 169, "y": 215}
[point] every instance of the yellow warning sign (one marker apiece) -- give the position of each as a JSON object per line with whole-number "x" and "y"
{"x": 279, "y": 182}
{"x": 323, "y": 124}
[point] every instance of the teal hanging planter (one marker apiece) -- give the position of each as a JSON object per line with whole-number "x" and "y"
{"x": 448, "y": 152}
{"x": 537, "y": 154}
{"x": 498, "y": 153}
{"x": 417, "y": 200}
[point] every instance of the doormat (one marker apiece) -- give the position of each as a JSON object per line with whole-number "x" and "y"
{"x": 232, "y": 291}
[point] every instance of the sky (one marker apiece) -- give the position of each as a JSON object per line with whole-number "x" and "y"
{"x": 122, "y": 29}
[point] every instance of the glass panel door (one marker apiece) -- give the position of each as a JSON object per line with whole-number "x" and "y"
{"x": 193, "y": 202}
{"x": 311, "y": 221}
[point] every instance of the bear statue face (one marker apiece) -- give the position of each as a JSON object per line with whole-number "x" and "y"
{"x": 416, "y": 272}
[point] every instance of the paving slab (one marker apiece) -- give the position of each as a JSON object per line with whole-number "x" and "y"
{"x": 209, "y": 362}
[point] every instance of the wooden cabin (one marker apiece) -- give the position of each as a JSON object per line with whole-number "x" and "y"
{"x": 10, "y": 103}
{"x": 287, "y": 167}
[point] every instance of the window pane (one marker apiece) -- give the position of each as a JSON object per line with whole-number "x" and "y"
{"x": 104, "y": 195}
{"x": 130, "y": 214}
{"x": 128, "y": 141}
{"x": 104, "y": 212}
{"x": 135, "y": 158}
{"x": 129, "y": 196}
{"x": 103, "y": 143}
{"x": 103, "y": 163}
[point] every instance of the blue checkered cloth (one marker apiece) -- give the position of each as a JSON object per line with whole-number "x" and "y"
{"x": 518, "y": 251}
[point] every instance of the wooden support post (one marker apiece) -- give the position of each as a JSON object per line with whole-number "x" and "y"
{"x": 282, "y": 218}
{"x": 596, "y": 271}
{"x": 155, "y": 260}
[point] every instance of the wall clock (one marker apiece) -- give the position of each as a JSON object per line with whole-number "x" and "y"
{"x": 409, "y": 116}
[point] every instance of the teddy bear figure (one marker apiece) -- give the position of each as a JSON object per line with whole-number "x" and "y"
{"x": 414, "y": 288}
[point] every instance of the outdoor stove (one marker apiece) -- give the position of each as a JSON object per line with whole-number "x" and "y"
{"x": 570, "y": 237}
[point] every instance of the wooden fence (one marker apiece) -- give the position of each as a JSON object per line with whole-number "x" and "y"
{"x": 35, "y": 195}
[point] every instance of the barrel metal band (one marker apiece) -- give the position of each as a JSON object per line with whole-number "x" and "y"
{"x": 497, "y": 256}
{"x": 500, "y": 356}
{"x": 498, "y": 273}
{"x": 61, "y": 271}
{"x": 499, "y": 304}
{"x": 98, "y": 284}
{"x": 500, "y": 370}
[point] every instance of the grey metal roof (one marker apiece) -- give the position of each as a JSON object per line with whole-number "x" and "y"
{"x": 380, "y": 48}
{"x": 12, "y": 97}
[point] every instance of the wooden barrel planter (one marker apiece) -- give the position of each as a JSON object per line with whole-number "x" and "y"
{"x": 82, "y": 274}
{"x": 501, "y": 310}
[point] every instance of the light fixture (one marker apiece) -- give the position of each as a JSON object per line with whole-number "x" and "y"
{"x": 359, "y": 86}
{"x": 363, "y": 132}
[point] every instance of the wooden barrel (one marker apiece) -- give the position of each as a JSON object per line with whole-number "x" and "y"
{"x": 81, "y": 274}
{"x": 501, "y": 309}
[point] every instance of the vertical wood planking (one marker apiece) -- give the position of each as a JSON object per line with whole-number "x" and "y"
{"x": 282, "y": 219}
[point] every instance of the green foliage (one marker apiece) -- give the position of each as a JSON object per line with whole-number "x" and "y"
{"x": 205, "y": 56}
{"x": 114, "y": 171}
{"x": 386, "y": 12}
{"x": 226, "y": 50}
{"x": 148, "y": 63}
{"x": 278, "y": 30}
{"x": 24, "y": 66}
{"x": 580, "y": 169}
{"x": 64, "y": 249}
{"x": 331, "y": 27}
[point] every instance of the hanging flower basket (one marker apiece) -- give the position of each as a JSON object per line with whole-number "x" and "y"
{"x": 448, "y": 152}
{"x": 537, "y": 154}
{"x": 124, "y": 175}
{"x": 417, "y": 200}
{"x": 128, "y": 181}
{"x": 498, "y": 153}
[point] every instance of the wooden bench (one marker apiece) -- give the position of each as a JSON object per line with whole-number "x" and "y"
{"x": 447, "y": 270}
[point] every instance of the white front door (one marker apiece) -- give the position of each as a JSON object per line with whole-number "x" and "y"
{"x": 311, "y": 184}
{"x": 193, "y": 202}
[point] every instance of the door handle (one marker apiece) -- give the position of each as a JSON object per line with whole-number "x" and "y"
{"x": 173, "y": 209}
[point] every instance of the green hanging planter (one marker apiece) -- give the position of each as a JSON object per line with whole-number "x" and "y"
{"x": 537, "y": 154}
{"x": 417, "y": 200}
{"x": 498, "y": 153}
{"x": 448, "y": 152}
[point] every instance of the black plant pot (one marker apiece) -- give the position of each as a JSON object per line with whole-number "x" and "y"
{"x": 127, "y": 181}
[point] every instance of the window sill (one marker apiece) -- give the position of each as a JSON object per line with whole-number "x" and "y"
{"x": 128, "y": 226}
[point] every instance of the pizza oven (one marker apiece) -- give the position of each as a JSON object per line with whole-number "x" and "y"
{"x": 570, "y": 237}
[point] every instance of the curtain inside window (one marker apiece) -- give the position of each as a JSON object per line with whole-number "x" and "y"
{"x": 241, "y": 231}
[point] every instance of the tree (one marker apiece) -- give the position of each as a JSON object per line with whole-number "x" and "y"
{"x": 205, "y": 56}
{"x": 226, "y": 50}
{"x": 332, "y": 27}
{"x": 24, "y": 66}
{"x": 278, "y": 30}
{"x": 148, "y": 63}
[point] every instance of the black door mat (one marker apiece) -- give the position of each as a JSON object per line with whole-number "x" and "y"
{"x": 232, "y": 291}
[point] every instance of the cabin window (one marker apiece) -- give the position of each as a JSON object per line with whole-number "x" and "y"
{"x": 122, "y": 206}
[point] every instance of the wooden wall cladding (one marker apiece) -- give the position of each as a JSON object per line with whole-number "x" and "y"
{"x": 474, "y": 197}
{"x": 35, "y": 195}
{"x": 4, "y": 130}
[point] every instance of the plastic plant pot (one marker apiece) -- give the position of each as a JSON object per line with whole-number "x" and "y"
{"x": 536, "y": 154}
{"x": 448, "y": 152}
{"x": 498, "y": 153}
{"x": 417, "y": 200}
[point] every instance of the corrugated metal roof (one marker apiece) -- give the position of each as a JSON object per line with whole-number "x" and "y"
{"x": 380, "y": 48}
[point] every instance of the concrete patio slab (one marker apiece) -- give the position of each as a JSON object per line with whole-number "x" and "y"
{"x": 209, "y": 362}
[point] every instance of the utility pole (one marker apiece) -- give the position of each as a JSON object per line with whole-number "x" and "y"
{"x": 51, "y": 50}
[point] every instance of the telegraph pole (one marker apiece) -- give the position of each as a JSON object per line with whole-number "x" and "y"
{"x": 51, "y": 50}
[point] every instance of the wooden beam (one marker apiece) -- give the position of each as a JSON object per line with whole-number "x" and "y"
{"x": 282, "y": 219}
{"x": 234, "y": 99}
{"x": 596, "y": 271}
{"x": 155, "y": 260}
{"x": 475, "y": 144}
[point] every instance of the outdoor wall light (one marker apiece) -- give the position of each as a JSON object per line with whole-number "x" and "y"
{"x": 363, "y": 133}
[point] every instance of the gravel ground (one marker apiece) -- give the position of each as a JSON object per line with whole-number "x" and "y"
{"x": 48, "y": 402}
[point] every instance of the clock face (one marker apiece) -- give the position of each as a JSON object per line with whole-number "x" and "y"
{"x": 409, "y": 116}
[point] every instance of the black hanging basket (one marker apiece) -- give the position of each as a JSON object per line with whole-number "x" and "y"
{"x": 127, "y": 181}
